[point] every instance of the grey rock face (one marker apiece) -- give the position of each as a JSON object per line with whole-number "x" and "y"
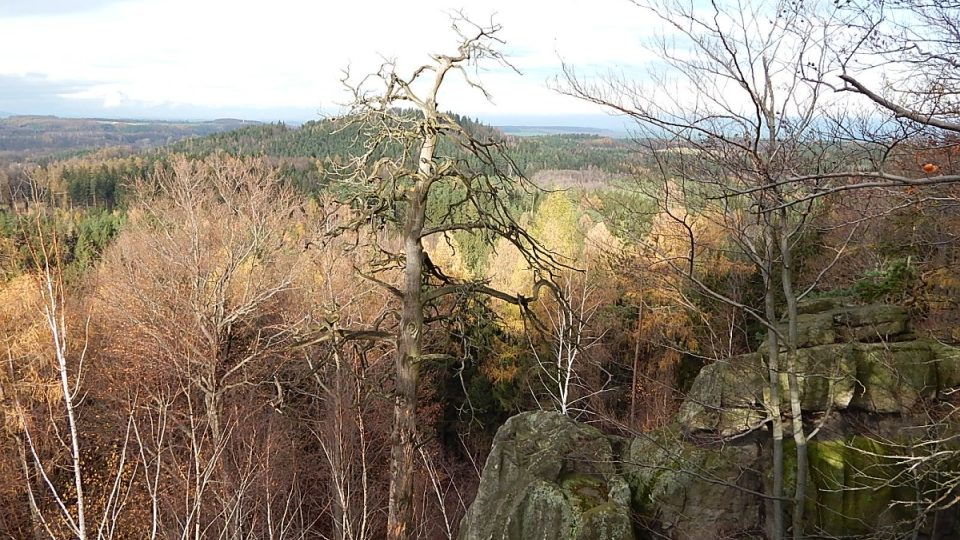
{"x": 686, "y": 491}
{"x": 860, "y": 357}
{"x": 549, "y": 477}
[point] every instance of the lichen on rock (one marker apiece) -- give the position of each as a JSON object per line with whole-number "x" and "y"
{"x": 550, "y": 477}
{"x": 866, "y": 380}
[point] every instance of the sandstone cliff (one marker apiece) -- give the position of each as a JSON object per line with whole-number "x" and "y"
{"x": 874, "y": 394}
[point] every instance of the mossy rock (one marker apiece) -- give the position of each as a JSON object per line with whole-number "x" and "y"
{"x": 607, "y": 521}
{"x": 813, "y": 329}
{"x": 826, "y": 376}
{"x": 823, "y": 304}
{"x": 828, "y": 321}
{"x": 895, "y": 376}
{"x": 544, "y": 513}
{"x": 545, "y": 477}
{"x": 726, "y": 397}
{"x": 872, "y": 323}
{"x": 686, "y": 491}
{"x": 850, "y": 490}
{"x": 700, "y": 410}
{"x": 948, "y": 366}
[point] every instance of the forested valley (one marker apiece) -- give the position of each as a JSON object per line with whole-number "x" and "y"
{"x": 400, "y": 322}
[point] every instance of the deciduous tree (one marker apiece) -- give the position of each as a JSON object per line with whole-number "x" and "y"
{"x": 434, "y": 154}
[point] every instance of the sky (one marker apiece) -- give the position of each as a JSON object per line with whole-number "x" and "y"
{"x": 283, "y": 59}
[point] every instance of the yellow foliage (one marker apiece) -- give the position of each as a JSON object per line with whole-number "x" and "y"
{"x": 26, "y": 345}
{"x": 445, "y": 255}
{"x": 600, "y": 240}
{"x": 503, "y": 365}
{"x": 555, "y": 225}
{"x": 509, "y": 272}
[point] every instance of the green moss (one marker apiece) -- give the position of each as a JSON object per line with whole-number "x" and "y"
{"x": 848, "y": 490}
{"x": 827, "y": 466}
{"x": 605, "y": 522}
{"x": 584, "y": 491}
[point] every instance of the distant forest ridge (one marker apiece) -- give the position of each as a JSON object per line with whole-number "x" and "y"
{"x": 532, "y": 131}
{"x": 298, "y": 150}
{"x": 25, "y": 137}
{"x": 31, "y": 137}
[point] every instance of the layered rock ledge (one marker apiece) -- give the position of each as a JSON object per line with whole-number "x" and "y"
{"x": 868, "y": 387}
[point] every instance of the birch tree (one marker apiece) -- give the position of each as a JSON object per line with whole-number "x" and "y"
{"x": 727, "y": 123}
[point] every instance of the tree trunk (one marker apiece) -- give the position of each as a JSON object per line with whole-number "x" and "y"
{"x": 58, "y": 336}
{"x": 799, "y": 437}
{"x": 636, "y": 359}
{"x": 400, "y": 516}
{"x": 336, "y": 455}
{"x": 400, "y": 521}
{"x": 773, "y": 372}
{"x": 36, "y": 520}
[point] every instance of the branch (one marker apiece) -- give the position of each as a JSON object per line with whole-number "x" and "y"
{"x": 517, "y": 300}
{"x": 331, "y": 334}
{"x": 901, "y": 112}
{"x": 890, "y": 180}
{"x": 390, "y": 288}
{"x": 453, "y": 227}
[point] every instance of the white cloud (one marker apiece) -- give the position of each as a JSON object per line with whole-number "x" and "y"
{"x": 290, "y": 53}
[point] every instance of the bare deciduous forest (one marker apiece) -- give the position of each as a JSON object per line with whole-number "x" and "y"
{"x": 740, "y": 322}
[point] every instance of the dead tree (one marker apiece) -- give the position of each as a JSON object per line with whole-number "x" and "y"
{"x": 406, "y": 158}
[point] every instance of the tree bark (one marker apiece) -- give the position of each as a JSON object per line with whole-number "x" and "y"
{"x": 773, "y": 372}
{"x": 400, "y": 514}
{"x": 799, "y": 437}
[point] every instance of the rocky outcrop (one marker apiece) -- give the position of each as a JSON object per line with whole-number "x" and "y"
{"x": 865, "y": 379}
{"x": 850, "y": 357}
{"x": 684, "y": 490}
{"x": 862, "y": 375}
{"x": 549, "y": 477}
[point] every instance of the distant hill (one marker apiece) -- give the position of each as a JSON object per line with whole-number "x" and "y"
{"x": 532, "y": 131}
{"x": 38, "y": 136}
{"x": 325, "y": 140}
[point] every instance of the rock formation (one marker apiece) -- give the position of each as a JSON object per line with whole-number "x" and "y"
{"x": 551, "y": 478}
{"x": 868, "y": 387}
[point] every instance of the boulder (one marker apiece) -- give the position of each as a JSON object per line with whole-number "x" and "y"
{"x": 726, "y": 397}
{"x": 826, "y": 376}
{"x": 549, "y": 477}
{"x": 824, "y": 304}
{"x": 682, "y": 490}
{"x": 829, "y": 321}
{"x": 863, "y": 379}
{"x": 813, "y": 329}
{"x": 871, "y": 323}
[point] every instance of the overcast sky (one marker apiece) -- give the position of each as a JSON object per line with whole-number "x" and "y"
{"x": 282, "y": 59}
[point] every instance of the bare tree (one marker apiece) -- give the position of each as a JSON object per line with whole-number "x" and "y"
{"x": 192, "y": 300}
{"x": 408, "y": 158}
{"x": 45, "y": 386}
{"x": 912, "y": 45}
{"x": 571, "y": 335}
{"x": 731, "y": 127}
